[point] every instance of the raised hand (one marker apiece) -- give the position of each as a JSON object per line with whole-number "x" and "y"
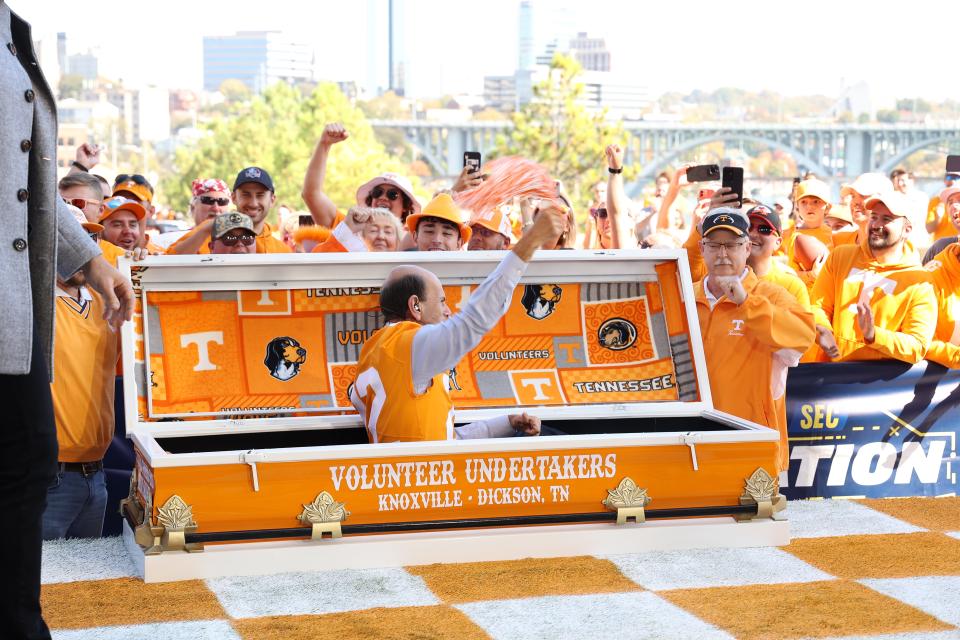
{"x": 333, "y": 133}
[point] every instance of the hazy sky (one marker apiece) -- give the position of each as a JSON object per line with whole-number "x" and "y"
{"x": 793, "y": 48}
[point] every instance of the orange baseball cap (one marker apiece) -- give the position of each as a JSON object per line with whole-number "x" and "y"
{"x": 441, "y": 207}
{"x": 89, "y": 227}
{"x": 118, "y": 203}
{"x": 140, "y": 190}
{"x": 497, "y": 221}
{"x": 815, "y": 188}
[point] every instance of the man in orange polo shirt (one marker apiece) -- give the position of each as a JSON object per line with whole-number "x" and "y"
{"x": 253, "y": 194}
{"x": 753, "y": 330}
{"x": 85, "y": 354}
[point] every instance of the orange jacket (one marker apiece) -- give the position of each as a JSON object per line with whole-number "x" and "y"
{"x": 901, "y": 297}
{"x": 945, "y": 272}
{"x": 749, "y": 348}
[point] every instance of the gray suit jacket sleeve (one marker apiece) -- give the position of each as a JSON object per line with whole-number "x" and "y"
{"x": 74, "y": 246}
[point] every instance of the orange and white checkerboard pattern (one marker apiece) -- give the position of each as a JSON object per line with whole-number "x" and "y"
{"x": 855, "y": 569}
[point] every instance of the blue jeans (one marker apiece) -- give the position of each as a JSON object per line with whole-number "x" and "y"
{"x": 75, "y": 506}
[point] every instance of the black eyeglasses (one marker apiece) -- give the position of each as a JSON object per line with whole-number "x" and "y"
{"x": 210, "y": 201}
{"x": 599, "y": 213}
{"x": 132, "y": 177}
{"x": 392, "y": 194}
{"x": 245, "y": 239}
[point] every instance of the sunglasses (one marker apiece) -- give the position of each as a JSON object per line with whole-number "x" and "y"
{"x": 132, "y": 177}
{"x": 599, "y": 213}
{"x": 94, "y": 236}
{"x": 245, "y": 239}
{"x": 392, "y": 194}
{"x": 81, "y": 203}
{"x": 210, "y": 201}
{"x": 765, "y": 229}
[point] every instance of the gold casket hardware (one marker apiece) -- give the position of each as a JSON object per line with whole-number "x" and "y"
{"x": 628, "y": 500}
{"x": 174, "y": 522}
{"x": 324, "y": 514}
{"x": 763, "y": 490}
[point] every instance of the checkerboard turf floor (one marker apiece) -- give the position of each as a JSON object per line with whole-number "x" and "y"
{"x": 855, "y": 569}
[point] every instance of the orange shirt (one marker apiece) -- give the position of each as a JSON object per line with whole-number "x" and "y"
{"x": 749, "y": 348}
{"x": 85, "y": 354}
{"x": 391, "y": 410}
{"x": 945, "y": 228}
{"x": 266, "y": 243}
{"x": 945, "y": 272}
{"x": 110, "y": 251}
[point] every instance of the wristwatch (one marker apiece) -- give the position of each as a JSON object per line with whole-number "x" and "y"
{"x": 615, "y": 171}
{"x": 80, "y": 166}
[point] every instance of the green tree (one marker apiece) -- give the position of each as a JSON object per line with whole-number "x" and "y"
{"x": 234, "y": 90}
{"x": 278, "y": 131}
{"x": 70, "y": 86}
{"x": 556, "y": 130}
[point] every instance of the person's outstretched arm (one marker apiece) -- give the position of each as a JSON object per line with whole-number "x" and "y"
{"x": 437, "y": 348}
{"x": 322, "y": 208}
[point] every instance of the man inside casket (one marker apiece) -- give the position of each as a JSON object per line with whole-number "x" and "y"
{"x": 401, "y": 390}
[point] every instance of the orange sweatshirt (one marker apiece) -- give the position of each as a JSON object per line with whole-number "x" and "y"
{"x": 945, "y": 272}
{"x": 901, "y": 297}
{"x": 749, "y": 348}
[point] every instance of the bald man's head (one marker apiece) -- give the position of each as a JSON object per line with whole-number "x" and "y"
{"x": 413, "y": 293}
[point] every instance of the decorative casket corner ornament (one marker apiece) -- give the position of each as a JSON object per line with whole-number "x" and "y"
{"x": 174, "y": 522}
{"x": 324, "y": 515}
{"x": 628, "y": 500}
{"x": 763, "y": 490}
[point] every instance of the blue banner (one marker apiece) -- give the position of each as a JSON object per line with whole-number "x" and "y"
{"x": 872, "y": 429}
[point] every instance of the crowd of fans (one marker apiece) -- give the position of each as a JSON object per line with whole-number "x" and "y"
{"x": 875, "y": 275}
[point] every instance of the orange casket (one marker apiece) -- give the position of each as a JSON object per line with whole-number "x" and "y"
{"x": 236, "y": 377}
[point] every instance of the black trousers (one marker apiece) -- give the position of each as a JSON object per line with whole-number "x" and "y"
{"x": 28, "y": 457}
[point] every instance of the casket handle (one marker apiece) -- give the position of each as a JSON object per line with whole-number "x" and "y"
{"x": 690, "y": 439}
{"x": 251, "y": 458}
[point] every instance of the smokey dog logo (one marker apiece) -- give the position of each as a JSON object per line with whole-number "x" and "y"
{"x": 540, "y": 300}
{"x": 617, "y": 334}
{"x": 284, "y": 358}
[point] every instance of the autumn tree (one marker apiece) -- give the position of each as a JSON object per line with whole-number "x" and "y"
{"x": 278, "y": 131}
{"x": 557, "y": 130}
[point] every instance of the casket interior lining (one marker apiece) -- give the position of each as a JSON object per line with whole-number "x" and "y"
{"x": 357, "y": 435}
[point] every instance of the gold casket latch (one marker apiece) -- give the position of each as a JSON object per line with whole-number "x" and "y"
{"x": 174, "y": 522}
{"x": 628, "y": 500}
{"x": 763, "y": 490}
{"x": 324, "y": 514}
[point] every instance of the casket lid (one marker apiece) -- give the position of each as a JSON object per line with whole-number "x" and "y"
{"x": 240, "y": 342}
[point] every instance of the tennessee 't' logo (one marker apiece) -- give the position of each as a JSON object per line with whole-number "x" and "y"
{"x": 617, "y": 334}
{"x": 540, "y": 299}
{"x": 723, "y": 219}
{"x": 284, "y": 357}
{"x": 737, "y": 329}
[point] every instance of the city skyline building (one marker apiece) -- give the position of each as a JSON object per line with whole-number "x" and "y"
{"x": 257, "y": 59}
